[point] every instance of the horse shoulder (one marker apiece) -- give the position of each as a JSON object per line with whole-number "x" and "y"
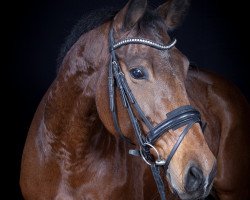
{"x": 34, "y": 176}
{"x": 62, "y": 166}
{"x": 227, "y": 114}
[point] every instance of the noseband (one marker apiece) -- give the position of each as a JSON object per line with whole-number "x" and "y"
{"x": 183, "y": 116}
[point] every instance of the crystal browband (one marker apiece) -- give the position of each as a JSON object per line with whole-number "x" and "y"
{"x": 145, "y": 42}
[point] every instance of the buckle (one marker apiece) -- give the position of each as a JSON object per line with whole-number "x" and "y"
{"x": 158, "y": 161}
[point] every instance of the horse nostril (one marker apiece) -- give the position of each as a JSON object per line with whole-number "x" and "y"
{"x": 194, "y": 179}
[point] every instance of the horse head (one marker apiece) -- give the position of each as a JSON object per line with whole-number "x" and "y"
{"x": 156, "y": 78}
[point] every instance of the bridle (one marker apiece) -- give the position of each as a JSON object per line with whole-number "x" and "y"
{"x": 183, "y": 116}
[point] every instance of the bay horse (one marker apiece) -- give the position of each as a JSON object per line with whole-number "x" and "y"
{"x": 127, "y": 117}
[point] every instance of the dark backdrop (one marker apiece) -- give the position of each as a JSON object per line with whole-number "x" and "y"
{"x": 212, "y": 36}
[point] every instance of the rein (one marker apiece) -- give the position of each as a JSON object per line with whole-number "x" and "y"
{"x": 183, "y": 116}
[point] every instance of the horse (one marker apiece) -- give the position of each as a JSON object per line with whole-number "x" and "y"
{"x": 127, "y": 117}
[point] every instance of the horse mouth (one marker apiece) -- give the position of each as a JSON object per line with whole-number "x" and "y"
{"x": 199, "y": 194}
{"x": 202, "y": 194}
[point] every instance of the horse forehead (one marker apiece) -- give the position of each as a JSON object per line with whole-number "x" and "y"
{"x": 146, "y": 56}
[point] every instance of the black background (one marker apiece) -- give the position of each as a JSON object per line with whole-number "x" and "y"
{"x": 213, "y": 36}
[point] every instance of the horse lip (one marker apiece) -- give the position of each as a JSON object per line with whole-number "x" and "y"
{"x": 212, "y": 174}
{"x": 201, "y": 195}
{"x": 198, "y": 195}
{"x": 172, "y": 189}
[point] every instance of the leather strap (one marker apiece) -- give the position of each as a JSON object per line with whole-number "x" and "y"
{"x": 177, "y": 144}
{"x": 158, "y": 180}
{"x": 175, "y": 119}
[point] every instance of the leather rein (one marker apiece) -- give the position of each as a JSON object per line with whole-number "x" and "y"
{"x": 182, "y": 116}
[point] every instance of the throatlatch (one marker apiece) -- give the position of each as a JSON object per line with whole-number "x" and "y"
{"x": 183, "y": 116}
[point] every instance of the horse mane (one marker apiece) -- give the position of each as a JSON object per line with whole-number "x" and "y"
{"x": 87, "y": 22}
{"x": 98, "y": 17}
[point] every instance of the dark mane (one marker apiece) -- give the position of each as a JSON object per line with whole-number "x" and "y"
{"x": 87, "y": 22}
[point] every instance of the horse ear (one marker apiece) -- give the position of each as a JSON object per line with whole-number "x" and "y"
{"x": 128, "y": 17}
{"x": 173, "y": 12}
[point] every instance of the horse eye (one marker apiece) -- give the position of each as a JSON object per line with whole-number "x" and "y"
{"x": 137, "y": 73}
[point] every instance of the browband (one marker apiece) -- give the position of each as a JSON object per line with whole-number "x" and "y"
{"x": 144, "y": 42}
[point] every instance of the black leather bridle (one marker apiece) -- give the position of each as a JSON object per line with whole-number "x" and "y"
{"x": 183, "y": 116}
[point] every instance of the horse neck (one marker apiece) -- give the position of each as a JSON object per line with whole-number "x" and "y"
{"x": 70, "y": 116}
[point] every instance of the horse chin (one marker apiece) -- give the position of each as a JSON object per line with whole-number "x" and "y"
{"x": 196, "y": 196}
{"x": 201, "y": 194}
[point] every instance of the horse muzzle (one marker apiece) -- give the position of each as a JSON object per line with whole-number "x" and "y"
{"x": 196, "y": 185}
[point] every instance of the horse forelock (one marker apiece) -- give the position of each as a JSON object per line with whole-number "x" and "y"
{"x": 87, "y": 22}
